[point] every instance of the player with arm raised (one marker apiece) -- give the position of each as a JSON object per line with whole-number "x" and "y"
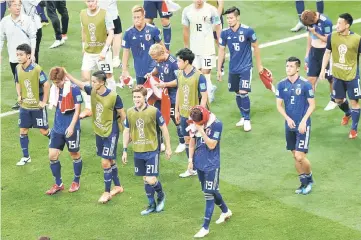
{"x": 138, "y": 39}
{"x": 205, "y": 152}
{"x": 319, "y": 27}
{"x": 240, "y": 39}
{"x": 107, "y": 106}
{"x": 192, "y": 91}
{"x": 97, "y": 36}
{"x": 67, "y": 99}
{"x": 296, "y": 94}
{"x": 198, "y": 21}
{"x": 345, "y": 47}
{"x": 141, "y": 127}
{"x": 32, "y": 88}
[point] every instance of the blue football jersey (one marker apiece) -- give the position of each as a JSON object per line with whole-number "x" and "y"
{"x": 322, "y": 27}
{"x": 139, "y": 43}
{"x": 295, "y": 96}
{"x": 167, "y": 71}
{"x": 62, "y": 121}
{"x": 239, "y": 44}
{"x": 206, "y": 159}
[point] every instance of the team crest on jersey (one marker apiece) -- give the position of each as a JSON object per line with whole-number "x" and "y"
{"x": 147, "y": 37}
{"x": 298, "y": 91}
{"x": 241, "y": 38}
{"x": 166, "y": 69}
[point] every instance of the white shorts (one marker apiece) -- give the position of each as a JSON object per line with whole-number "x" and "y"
{"x": 91, "y": 62}
{"x": 204, "y": 62}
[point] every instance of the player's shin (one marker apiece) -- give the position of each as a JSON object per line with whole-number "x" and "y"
{"x": 55, "y": 167}
{"x": 245, "y": 105}
{"x": 158, "y": 188}
{"x": 167, "y": 33}
{"x": 24, "y": 143}
{"x": 180, "y": 135}
{"x": 149, "y": 191}
{"x": 115, "y": 176}
{"x": 239, "y": 104}
{"x": 77, "y": 166}
{"x": 86, "y": 98}
{"x": 320, "y": 6}
{"x": 209, "y": 209}
{"x": 355, "y": 115}
{"x": 107, "y": 179}
{"x": 344, "y": 107}
{"x": 300, "y": 7}
{"x": 209, "y": 86}
{"x": 218, "y": 200}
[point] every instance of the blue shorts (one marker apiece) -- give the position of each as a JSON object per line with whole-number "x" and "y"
{"x": 240, "y": 81}
{"x": 152, "y": 7}
{"x": 315, "y": 57}
{"x": 140, "y": 80}
{"x": 146, "y": 164}
{"x": 297, "y": 141}
{"x": 33, "y": 118}
{"x": 107, "y": 146}
{"x": 352, "y": 88}
{"x": 58, "y": 141}
{"x": 184, "y": 125}
{"x": 209, "y": 180}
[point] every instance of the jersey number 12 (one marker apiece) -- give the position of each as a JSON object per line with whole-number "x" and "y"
{"x": 199, "y": 27}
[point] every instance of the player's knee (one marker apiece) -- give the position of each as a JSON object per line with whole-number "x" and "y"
{"x": 186, "y": 139}
{"x": 151, "y": 180}
{"x": 53, "y": 154}
{"x": 105, "y": 163}
{"x": 242, "y": 92}
{"x": 354, "y": 104}
{"x": 339, "y": 101}
{"x": 24, "y": 131}
{"x": 299, "y": 156}
{"x": 206, "y": 71}
{"x": 74, "y": 155}
{"x": 44, "y": 131}
{"x": 165, "y": 22}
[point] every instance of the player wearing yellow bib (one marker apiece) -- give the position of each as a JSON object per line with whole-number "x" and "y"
{"x": 97, "y": 35}
{"x": 33, "y": 92}
{"x": 192, "y": 91}
{"x": 141, "y": 127}
{"x": 345, "y": 47}
{"x": 107, "y": 107}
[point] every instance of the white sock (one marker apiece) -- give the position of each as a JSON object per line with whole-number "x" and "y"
{"x": 111, "y": 83}
{"x": 209, "y": 83}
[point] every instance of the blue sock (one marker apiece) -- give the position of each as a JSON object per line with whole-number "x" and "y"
{"x": 2, "y": 9}
{"x": 345, "y": 108}
{"x": 187, "y": 150}
{"x": 303, "y": 179}
{"x": 209, "y": 209}
{"x": 149, "y": 190}
{"x": 355, "y": 115}
{"x": 115, "y": 175}
{"x": 78, "y": 166}
{"x": 158, "y": 188}
{"x": 246, "y": 106}
{"x": 24, "y": 143}
{"x": 320, "y": 6}
{"x": 218, "y": 200}
{"x": 55, "y": 167}
{"x": 300, "y": 7}
{"x": 107, "y": 178}
{"x": 180, "y": 135}
{"x": 309, "y": 177}
{"x": 167, "y": 33}
{"x": 239, "y": 104}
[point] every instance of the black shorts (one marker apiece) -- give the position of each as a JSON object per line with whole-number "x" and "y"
{"x": 117, "y": 26}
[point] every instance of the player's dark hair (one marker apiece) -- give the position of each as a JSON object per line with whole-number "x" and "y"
{"x": 25, "y": 48}
{"x": 141, "y": 89}
{"x": 233, "y": 10}
{"x": 196, "y": 115}
{"x": 347, "y": 17}
{"x": 294, "y": 59}
{"x": 100, "y": 75}
{"x": 186, "y": 55}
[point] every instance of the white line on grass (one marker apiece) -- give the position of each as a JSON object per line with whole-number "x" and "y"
{"x": 264, "y": 45}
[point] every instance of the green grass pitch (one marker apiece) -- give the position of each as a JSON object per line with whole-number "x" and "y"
{"x": 257, "y": 173}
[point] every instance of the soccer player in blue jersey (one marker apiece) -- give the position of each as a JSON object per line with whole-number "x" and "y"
{"x": 319, "y": 27}
{"x": 166, "y": 69}
{"x": 240, "y": 39}
{"x": 296, "y": 94}
{"x": 151, "y": 8}
{"x": 205, "y": 153}
{"x": 138, "y": 39}
{"x": 141, "y": 128}
{"x": 66, "y": 130}
{"x": 300, "y": 7}
{"x": 106, "y": 106}
{"x": 32, "y": 88}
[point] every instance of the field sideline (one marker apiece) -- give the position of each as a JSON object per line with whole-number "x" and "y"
{"x": 257, "y": 173}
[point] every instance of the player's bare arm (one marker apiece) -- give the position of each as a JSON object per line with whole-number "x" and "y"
{"x": 18, "y": 91}
{"x": 126, "y": 138}
{"x": 192, "y": 145}
{"x": 186, "y": 36}
{"x": 108, "y": 43}
{"x": 221, "y": 51}
{"x": 325, "y": 61}
{"x": 77, "y": 82}
{"x": 218, "y": 30}
{"x": 282, "y": 111}
{"x": 257, "y": 54}
{"x": 220, "y": 7}
{"x": 125, "y": 59}
{"x": 70, "y": 130}
{"x": 83, "y": 37}
{"x": 311, "y": 108}
{"x": 308, "y": 45}
{"x": 168, "y": 149}
{"x": 46, "y": 89}
{"x": 204, "y": 99}
{"x": 176, "y": 108}
{"x": 121, "y": 114}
